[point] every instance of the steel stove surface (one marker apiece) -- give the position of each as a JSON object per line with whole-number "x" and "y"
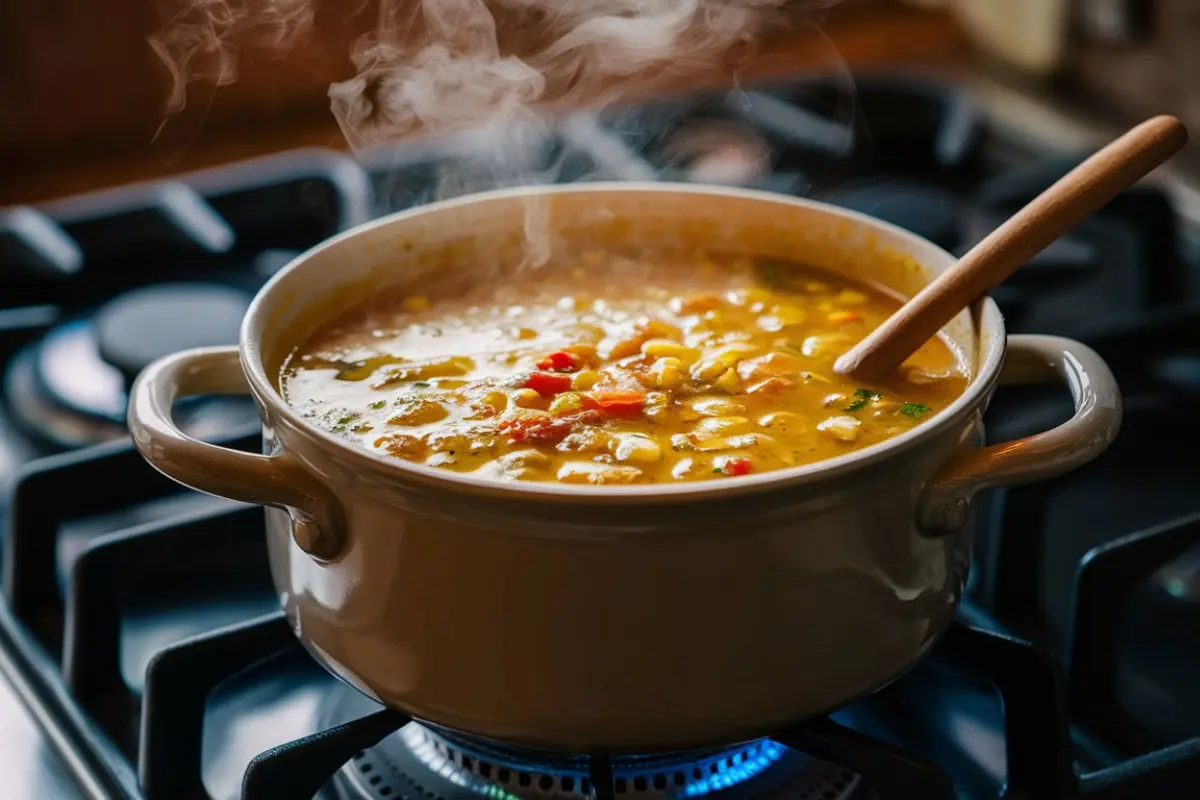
{"x": 140, "y": 629}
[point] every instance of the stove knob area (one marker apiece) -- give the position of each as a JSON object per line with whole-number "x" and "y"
{"x": 140, "y": 326}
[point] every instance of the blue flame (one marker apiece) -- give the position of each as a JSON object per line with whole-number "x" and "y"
{"x": 768, "y": 754}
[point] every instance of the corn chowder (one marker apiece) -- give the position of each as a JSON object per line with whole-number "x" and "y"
{"x": 616, "y": 370}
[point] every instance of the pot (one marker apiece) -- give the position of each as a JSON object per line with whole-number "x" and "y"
{"x": 616, "y": 619}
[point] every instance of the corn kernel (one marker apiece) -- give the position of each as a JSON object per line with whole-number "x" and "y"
{"x": 566, "y": 403}
{"x": 850, "y": 297}
{"x": 584, "y": 380}
{"x": 732, "y": 353}
{"x": 415, "y": 303}
{"x": 729, "y": 382}
{"x": 586, "y": 352}
{"x": 822, "y": 343}
{"x": 717, "y": 406}
{"x": 660, "y": 348}
{"x": 418, "y": 412}
{"x": 528, "y": 398}
{"x": 635, "y": 449}
{"x": 667, "y": 373}
{"x": 708, "y": 370}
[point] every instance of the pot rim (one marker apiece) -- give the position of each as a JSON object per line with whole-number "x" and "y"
{"x": 985, "y": 312}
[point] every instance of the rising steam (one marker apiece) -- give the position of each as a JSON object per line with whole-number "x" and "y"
{"x": 434, "y": 65}
{"x": 201, "y": 38}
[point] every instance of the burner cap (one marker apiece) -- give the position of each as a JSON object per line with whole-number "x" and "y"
{"x": 70, "y": 386}
{"x": 138, "y": 327}
{"x": 420, "y": 761}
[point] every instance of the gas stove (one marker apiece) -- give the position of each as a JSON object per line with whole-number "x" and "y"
{"x": 140, "y": 631}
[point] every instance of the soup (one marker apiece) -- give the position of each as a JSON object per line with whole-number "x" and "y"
{"x": 616, "y": 370}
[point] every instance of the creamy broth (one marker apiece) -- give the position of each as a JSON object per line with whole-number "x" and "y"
{"x": 614, "y": 370}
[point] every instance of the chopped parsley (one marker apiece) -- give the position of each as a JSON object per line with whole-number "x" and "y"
{"x": 345, "y": 420}
{"x": 421, "y": 384}
{"x": 862, "y": 398}
{"x": 379, "y": 404}
{"x": 914, "y": 410}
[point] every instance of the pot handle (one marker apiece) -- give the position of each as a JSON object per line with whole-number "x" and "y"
{"x": 1031, "y": 359}
{"x": 276, "y": 480}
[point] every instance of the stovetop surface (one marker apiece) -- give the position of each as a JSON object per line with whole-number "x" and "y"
{"x": 127, "y": 600}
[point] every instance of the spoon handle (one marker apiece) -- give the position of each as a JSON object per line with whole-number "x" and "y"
{"x": 1077, "y": 195}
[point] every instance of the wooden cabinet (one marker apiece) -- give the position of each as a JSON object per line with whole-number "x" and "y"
{"x": 82, "y": 94}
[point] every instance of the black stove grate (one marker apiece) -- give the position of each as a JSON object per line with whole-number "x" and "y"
{"x": 135, "y": 613}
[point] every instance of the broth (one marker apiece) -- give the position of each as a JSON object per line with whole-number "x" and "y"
{"x": 613, "y": 370}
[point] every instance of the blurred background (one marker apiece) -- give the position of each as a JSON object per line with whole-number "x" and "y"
{"x": 83, "y": 95}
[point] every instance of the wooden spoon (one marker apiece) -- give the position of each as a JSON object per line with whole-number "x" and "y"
{"x": 1074, "y": 197}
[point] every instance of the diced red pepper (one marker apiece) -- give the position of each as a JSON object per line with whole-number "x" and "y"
{"x": 543, "y": 429}
{"x": 737, "y": 466}
{"x": 618, "y": 403}
{"x": 547, "y": 384}
{"x": 562, "y": 361}
{"x": 838, "y": 317}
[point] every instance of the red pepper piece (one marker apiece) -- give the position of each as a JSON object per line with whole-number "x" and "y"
{"x": 543, "y": 429}
{"x": 547, "y": 384}
{"x": 619, "y": 403}
{"x": 737, "y": 466}
{"x": 561, "y": 361}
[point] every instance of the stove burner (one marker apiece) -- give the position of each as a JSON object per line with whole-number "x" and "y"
{"x": 71, "y": 386}
{"x": 143, "y": 325}
{"x": 419, "y": 761}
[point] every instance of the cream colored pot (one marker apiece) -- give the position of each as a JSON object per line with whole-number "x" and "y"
{"x": 629, "y": 618}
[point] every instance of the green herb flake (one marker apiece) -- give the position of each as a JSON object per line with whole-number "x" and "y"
{"x": 862, "y": 398}
{"x": 378, "y": 404}
{"x": 422, "y": 384}
{"x": 914, "y": 410}
{"x": 345, "y": 420}
{"x": 718, "y": 471}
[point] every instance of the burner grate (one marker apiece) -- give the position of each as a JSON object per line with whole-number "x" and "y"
{"x": 420, "y": 762}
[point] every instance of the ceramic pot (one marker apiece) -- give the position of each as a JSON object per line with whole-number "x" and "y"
{"x": 632, "y": 618}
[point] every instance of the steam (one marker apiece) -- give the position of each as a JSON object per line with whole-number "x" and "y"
{"x": 488, "y": 66}
{"x": 438, "y": 65}
{"x": 202, "y": 38}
